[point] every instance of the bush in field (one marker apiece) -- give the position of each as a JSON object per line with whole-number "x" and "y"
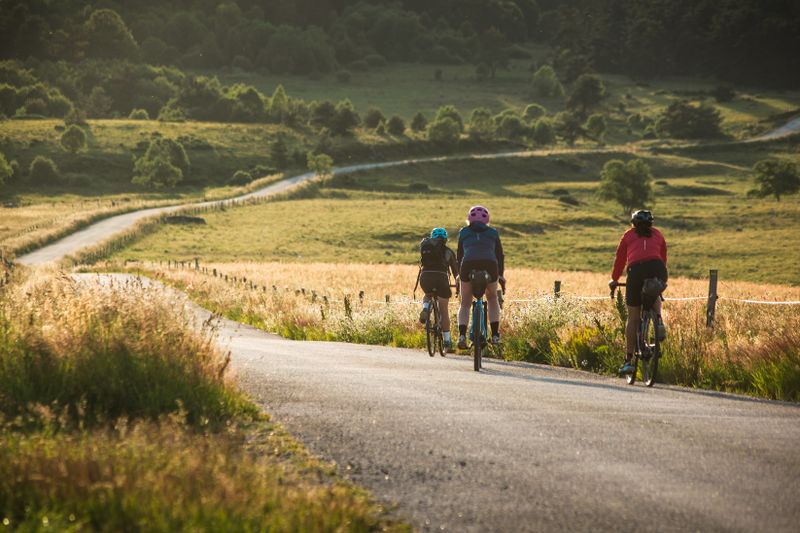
{"x": 321, "y": 165}
{"x": 240, "y": 177}
{"x": 73, "y": 140}
{"x": 164, "y": 164}
{"x": 444, "y": 130}
{"x": 629, "y": 184}
{"x": 682, "y": 120}
{"x": 34, "y": 106}
{"x": 279, "y": 153}
{"x": 588, "y": 93}
{"x": 450, "y": 111}
{"x": 396, "y": 125}
{"x": 510, "y": 126}
{"x": 322, "y": 114}
{"x": 533, "y": 112}
{"x": 419, "y": 122}
{"x": 43, "y": 171}
{"x": 543, "y": 132}
{"x": 481, "y": 125}
{"x": 596, "y": 127}
{"x": 279, "y": 105}
{"x": 776, "y": 178}
{"x": 373, "y": 117}
{"x": 6, "y": 172}
{"x": 568, "y": 127}
{"x": 381, "y": 128}
{"x": 345, "y": 119}
{"x": 139, "y": 114}
{"x": 545, "y": 83}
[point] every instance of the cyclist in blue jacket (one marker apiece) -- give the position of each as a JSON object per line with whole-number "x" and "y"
{"x": 479, "y": 248}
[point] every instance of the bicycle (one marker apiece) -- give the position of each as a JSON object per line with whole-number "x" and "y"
{"x": 648, "y": 345}
{"x": 478, "y": 331}
{"x": 433, "y": 327}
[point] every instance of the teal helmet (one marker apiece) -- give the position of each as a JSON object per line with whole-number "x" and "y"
{"x": 439, "y": 233}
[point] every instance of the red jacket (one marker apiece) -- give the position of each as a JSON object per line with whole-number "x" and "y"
{"x": 634, "y": 249}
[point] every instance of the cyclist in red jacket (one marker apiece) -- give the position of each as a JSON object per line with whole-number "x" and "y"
{"x": 644, "y": 251}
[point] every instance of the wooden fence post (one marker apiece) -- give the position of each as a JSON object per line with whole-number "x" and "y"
{"x": 557, "y": 289}
{"x": 711, "y": 306}
{"x": 387, "y": 299}
{"x": 196, "y": 263}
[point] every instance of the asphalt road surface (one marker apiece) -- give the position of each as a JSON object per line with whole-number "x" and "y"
{"x": 521, "y": 447}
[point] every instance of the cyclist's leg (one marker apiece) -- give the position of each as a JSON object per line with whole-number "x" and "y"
{"x": 463, "y": 313}
{"x": 494, "y": 309}
{"x": 632, "y": 328}
{"x": 444, "y": 311}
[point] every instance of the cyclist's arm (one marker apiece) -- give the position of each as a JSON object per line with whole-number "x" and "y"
{"x": 452, "y": 263}
{"x": 501, "y": 258}
{"x": 620, "y": 260}
{"x": 460, "y": 253}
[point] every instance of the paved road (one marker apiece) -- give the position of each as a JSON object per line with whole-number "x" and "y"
{"x": 522, "y": 447}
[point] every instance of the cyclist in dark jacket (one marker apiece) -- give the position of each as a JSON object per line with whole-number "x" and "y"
{"x": 434, "y": 274}
{"x": 643, "y": 250}
{"x": 479, "y": 248}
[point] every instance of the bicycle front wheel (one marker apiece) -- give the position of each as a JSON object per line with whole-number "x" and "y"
{"x": 430, "y": 334}
{"x": 438, "y": 327}
{"x": 477, "y": 335}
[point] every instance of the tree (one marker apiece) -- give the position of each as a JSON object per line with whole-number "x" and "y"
{"x": 44, "y": 171}
{"x": 545, "y": 83}
{"x": 596, "y": 127}
{"x": 99, "y": 103}
{"x": 73, "y": 140}
{"x": 321, "y": 165}
{"x": 629, "y": 184}
{"x": 776, "y": 178}
{"x": 450, "y": 111}
{"x": 164, "y": 164}
{"x": 419, "y": 122}
{"x": 481, "y": 125}
{"x": 493, "y": 50}
{"x": 279, "y": 153}
{"x": 444, "y": 130}
{"x": 533, "y": 112}
{"x": 588, "y": 92}
{"x": 373, "y": 117}
{"x": 396, "y": 126}
{"x": 510, "y": 126}
{"x": 681, "y": 120}
{"x": 543, "y": 132}
{"x": 568, "y": 127}
{"x": 109, "y": 37}
{"x": 5, "y": 170}
{"x": 345, "y": 119}
{"x": 240, "y": 177}
{"x": 322, "y": 114}
{"x": 279, "y": 105}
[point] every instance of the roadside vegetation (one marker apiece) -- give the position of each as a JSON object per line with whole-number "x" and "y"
{"x": 117, "y": 412}
{"x": 752, "y": 349}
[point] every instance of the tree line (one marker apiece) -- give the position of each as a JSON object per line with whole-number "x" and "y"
{"x": 743, "y": 41}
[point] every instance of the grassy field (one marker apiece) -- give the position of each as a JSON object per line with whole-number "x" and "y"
{"x": 544, "y": 207}
{"x": 405, "y": 89}
{"x": 117, "y": 414}
{"x": 752, "y": 349}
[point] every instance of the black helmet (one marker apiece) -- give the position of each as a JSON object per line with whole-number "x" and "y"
{"x": 642, "y": 216}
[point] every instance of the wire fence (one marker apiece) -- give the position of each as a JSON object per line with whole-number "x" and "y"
{"x": 393, "y": 300}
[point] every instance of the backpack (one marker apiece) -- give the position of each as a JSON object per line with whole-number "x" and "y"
{"x": 432, "y": 256}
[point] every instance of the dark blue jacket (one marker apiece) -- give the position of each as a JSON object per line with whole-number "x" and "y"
{"x": 479, "y": 242}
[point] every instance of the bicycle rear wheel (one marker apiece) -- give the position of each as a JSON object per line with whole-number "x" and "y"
{"x": 430, "y": 331}
{"x": 477, "y": 335}
{"x": 651, "y": 351}
{"x": 438, "y": 328}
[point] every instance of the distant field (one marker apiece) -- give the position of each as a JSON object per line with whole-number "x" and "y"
{"x": 379, "y": 217}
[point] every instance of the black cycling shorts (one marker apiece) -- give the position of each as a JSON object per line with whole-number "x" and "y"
{"x": 487, "y": 265}
{"x": 637, "y": 273}
{"x": 431, "y": 280}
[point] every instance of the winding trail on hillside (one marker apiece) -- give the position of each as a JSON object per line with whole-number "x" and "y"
{"x": 521, "y": 447}
{"x": 108, "y": 228}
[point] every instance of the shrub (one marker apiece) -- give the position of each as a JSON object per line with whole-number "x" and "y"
{"x": 510, "y": 126}
{"x": 450, "y": 111}
{"x": 596, "y": 127}
{"x": 543, "y": 132}
{"x": 568, "y": 127}
{"x": 481, "y": 125}
{"x": 681, "y": 120}
{"x": 629, "y": 184}
{"x": 44, "y": 171}
{"x": 533, "y": 112}
{"x": 545, "y": 83}
{"x": 396, "y": 125}
{"x": 381, "y": 128}
{"x": 776, "y": 178}
{"x": 6, "y": 172}
{"x": 322, "y": 114}
{"x": 419, "y": 122}
{"x": 279, "y": 153}
{"x": 444, "y": 130}
{"x": 346, "y": 119}
{"x": 139, "y": 114}
{"x": 240, "y": 177}
{"x": 588, "y": 92}
{"x": 164, "y": 164}
{"x": 35, "y": 106}
{"x": 73, "y": 140}
{"x": 373, "y": 117}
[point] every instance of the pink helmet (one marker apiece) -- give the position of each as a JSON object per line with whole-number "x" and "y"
{"x": 478, "y": 213}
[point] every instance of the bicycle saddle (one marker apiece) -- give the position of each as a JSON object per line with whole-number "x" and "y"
{"x": 480, "y": 280}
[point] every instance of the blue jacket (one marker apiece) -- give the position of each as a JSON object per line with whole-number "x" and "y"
{"x": 479, "y": 242}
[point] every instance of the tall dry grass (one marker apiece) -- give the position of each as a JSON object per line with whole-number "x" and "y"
{"x": 752, "y": 348}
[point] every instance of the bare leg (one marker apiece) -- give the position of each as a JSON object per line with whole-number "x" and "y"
{"x": 466, "y": 303}
{"x": 494, "y": 303}
{"x": 632, "y": 328}
{"x": 444, "y": 311}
